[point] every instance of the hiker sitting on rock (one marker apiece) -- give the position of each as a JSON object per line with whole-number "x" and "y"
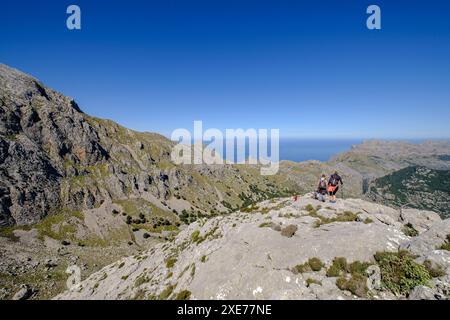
{"x": 322, "y": 189}
{"x": 333, "y": 185}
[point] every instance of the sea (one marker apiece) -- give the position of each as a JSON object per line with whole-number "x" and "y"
{"x": 300, "y": 149}
{"x": 304, "y": 149}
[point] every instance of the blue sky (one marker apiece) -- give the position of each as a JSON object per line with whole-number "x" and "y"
{"x": 310, "y": 69}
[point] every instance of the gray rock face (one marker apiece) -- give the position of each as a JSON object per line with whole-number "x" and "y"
{"x": 24, "y": 293}
{"x": 40, "y": 130}
{"x": 429, "y": 240}
{"x": 53, "y": 157}
{"x": 421, "y": 220}
{"x": 240, "y": 256}
{"x": 424, "y": 293}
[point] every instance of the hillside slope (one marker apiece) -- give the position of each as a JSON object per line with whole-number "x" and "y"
{"x": 416, "y": 187}
{"x": 54, "y": 156}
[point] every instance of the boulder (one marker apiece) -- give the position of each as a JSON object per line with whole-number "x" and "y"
{"x": 24, "y": 293}
{"x": 424, "y": 293}
{"x": 421, "y": 220}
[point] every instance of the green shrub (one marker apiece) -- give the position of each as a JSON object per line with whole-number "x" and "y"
{"x": 357, "y": 284}
{"x": 129, "y": 220}
{"x": 300, "y": 268}
{"x": 446, "y": 245}
{"x": 183, "y": 295}
{"x": 289, "y": 231}
{"x": 400, "y": 273}
{"x": 338, "y": 267}
{"x": 409, "y": 230}
{"x": 368, "y": 220}
{"x": 141, "y": 280}
{"x": 310, "y": 208}
{"x": 195, "y": 235}
{"x": 311, "y": 281}
{"x": 346, "y": 216}
{"x": 315, "y": 264}
{"x": 358, "y": 267}
{"x": 171, "y": 262}
{"x": 165, "y": 294}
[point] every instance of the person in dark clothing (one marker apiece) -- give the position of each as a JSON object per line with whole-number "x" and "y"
{"x": 322, "y": 188}
{"x": 333, "y": 185}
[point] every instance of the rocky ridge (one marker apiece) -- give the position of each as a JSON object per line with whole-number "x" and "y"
{"x": 282, "y": 249}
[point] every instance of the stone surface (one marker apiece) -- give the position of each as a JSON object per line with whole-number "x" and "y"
{"x": 424, "y": 293}
{"x": 238, "y": 259}
{"x": 24, "y": 293}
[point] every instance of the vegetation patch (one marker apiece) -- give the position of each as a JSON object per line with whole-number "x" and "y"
{"x": 338, "y": 267}
{"x": 141, "y": 214}
{"x": 446, "y": 245}
{"x": 368, "y": 220}
{"x": 409, "y": 230}
{"x": 195, "y": 235}
{"x": 165, "y": 294}
{"x": 141, "y": 280}
{"x": 400, "y": 273}
{"x": 289, "y": 231}
{"x": 346, "y": 216}
{"x": 310, "y": 209}
{"x": 192, "y": 216}
{"x": 171, "y": 262}
{"x": 183, "y": 295}
{"x": 351, "y": 276}
{"x": 311, "y": 281}
{"x": 356, "y": 284}
{"x": 265, "y": 225}
{"x": 248, "y": 209}
{"x": 313, "y": 264}
{"x": 196, "y": 238}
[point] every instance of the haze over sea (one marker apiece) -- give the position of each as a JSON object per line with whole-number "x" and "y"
{"x": 301, "y": 149}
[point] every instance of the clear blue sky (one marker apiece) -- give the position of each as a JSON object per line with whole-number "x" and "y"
{"x": 309, "y": 69}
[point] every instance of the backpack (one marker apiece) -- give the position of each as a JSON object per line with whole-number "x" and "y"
{"x": 334, "y": 180}
{"x": 322, "y": 184}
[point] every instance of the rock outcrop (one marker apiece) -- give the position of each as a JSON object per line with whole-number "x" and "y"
{"x": 245, "y": 256}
